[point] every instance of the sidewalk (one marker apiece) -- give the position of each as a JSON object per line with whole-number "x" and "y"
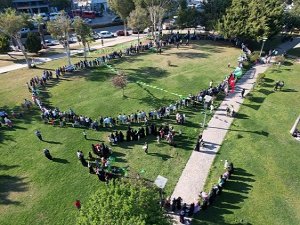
{"x": 195, "y": 173}
{"x": 41, "y": 60}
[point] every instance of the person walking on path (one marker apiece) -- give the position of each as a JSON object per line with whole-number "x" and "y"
{"x": 39, "y": 135}
{"x": 47, "y": 154}
{"x": 77, "y": 204}
{"x": 243, "y": 92}
{"x": 145, "y": 147}
{"x": 102, "y": 42}
{"x": 84, "y": 134}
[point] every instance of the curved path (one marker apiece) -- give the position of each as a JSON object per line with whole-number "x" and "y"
{"x": 194, "y": 175}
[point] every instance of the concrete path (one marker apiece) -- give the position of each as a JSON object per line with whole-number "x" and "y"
{"x": 194, "y": 175}
{"x": 107, "y": 43}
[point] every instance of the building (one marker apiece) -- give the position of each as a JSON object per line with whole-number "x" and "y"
{"x": 95, "y": 5}
{"x": 31, "y": 6}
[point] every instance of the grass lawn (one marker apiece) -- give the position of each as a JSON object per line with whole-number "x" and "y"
{"x": 264, "y": 188}
{"x": 34, "y": 190}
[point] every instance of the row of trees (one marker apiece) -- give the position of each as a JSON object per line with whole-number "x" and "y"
{"x": 250, "y": 19}
{"x": 12, "y": 22}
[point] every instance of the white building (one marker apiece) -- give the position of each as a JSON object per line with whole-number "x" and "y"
{"x": 95, "y": 5}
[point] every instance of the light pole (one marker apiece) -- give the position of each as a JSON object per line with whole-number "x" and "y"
{"x": 262, "y": 46}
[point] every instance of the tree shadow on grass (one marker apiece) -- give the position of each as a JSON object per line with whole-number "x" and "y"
{"x": 119, "y": 156}
{"x": 59, "y": 160}
{"x": 190, "y": 55}
{"x": 146, "y": 74}
{"x": 235, "y": 192}
{"x": 164, "y": 157}
{"x": 10, "y": 184}
{"x": 289, "y": 90}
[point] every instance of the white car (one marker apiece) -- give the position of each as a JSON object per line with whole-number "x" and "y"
{"x": 106, "y": 34}
{"x": 53, "y": 16}
{"x": 51, "y": 42}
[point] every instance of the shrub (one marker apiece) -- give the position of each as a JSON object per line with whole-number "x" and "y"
{"x": 33, "y": 43}
{"x": 254, "y": 57}
{"x": 261, "y": 78}
{"x": 4, "y": 43}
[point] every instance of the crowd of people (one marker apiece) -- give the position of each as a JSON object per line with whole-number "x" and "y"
{"x": 205, "y": 199}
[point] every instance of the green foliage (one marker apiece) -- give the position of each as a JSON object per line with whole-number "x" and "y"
{"x": 138, "y": 19}
{"x": 254, "y": 57}
{"x": 213, "y": 10}
{"x": 5, "y": 4}
{"x": 252, "y": 20}
{"x": 122, "y": 7}
{"x": 187, "y": 16}
{"x": 4, "y": 43}
{"x": 123, "y": 203}
{"x": 33, "y": 42}
{"x": 261, "y": 78}
{"x": 83, "y": 31}
{"x": 292, "y": 17}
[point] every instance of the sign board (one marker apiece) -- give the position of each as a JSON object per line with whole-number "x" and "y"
{"x": 207, "y": 98}
{"x": 160, "y": 181}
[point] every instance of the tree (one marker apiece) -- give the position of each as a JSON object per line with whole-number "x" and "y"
{"x": 213, "y": 10}
{"x": 120, "y": 81}
{"x": 4, "y": 4}
{"x": 4, "y": 43}
{"x": 138, "y": 20}
{"x": 10, "y": 24}
{"x": 252, "y": 19}
{"x": 33, "y": 42}
{"x": 292, "y": 17}
{"x": 122, "y": 8}
{"x": 59, "y": 29}
{"x": 61, "y": 4}
{"x": 40, "y": 25}
{"x": 186, "y": 16}
{"x": 83, "y": 31}
{"x": 157, "y": 10}
{"x": 123, "y": 203}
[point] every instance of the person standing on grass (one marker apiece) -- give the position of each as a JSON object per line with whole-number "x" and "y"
{"x": 84, "y": 134}
{"x": 243, "y": 92}
{"x": 47, "y": 154}
{"x": 77, "y": 204}
{"x": 145, "y": 147}
{"x": 39, "y": 135}
{"x": 211, "y": 83}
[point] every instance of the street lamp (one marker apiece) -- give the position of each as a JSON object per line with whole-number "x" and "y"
{"x": 262, "y": 46}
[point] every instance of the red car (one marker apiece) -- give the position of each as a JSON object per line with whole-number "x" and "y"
{"x": 121, "y": 33}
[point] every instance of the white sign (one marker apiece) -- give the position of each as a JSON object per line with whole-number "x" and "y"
{"x": 161, "y": 181}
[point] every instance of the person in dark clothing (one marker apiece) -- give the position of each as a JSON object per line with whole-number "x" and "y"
{"x": 179, "y": 199}
{"x": 173, "y": 205}
{"x": 243, "y": 92}
{"x": 39, "y": 135}
{"x": 181, "y": 216}
{"x": 47, "y": 154}
{"x": 191, "y": 210}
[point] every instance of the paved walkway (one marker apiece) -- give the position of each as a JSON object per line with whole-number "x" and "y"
{"x": 41, "y": 60}
{"x": 194, "y": 175}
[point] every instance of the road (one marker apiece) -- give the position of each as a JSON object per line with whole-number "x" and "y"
{"x": 98, "y": 45}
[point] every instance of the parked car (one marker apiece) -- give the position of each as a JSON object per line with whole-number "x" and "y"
{"x": 24, "y": 30}
{"x": 117, "y": 19}
{"x": 53, "y": 16}
{"x": 122, "y": 33}
{"x": 106, "y": 34}
{"x": 51, "y": 42}
{"x": 95, "y": 35}
{"x": 87, "y": 20}
{"x": 136, "y": 31}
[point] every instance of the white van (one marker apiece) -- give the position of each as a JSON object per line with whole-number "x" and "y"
{"x": 53, "y": 16}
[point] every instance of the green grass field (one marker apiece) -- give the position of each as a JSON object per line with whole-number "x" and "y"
{"x": 34, "y": 190}
{"x": 264, "y": 188}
